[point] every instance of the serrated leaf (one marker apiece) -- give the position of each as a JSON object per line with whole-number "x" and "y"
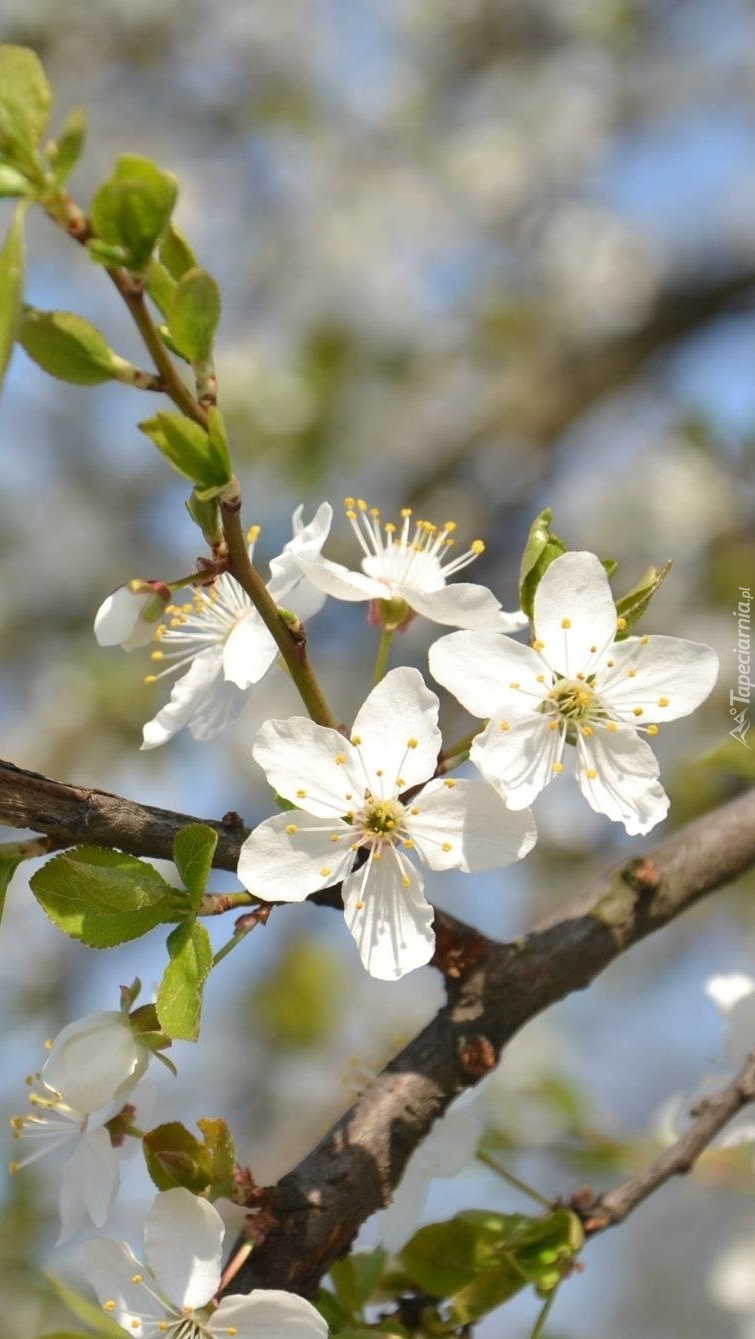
{"x": 175, "y": 253}
{"x": 132, "y": 208}
{"x": 542, "y": 548}
{"x": 66, "y": 346}
{"x": 103, "y": 897}
{"x": 193, "y": 850}
{"x": 355, "y": 1277}
{"x": 194, "y": 314}
{"x": 191, "y": 450}
{"x": 179, "y": 999}
{"x": 89, "y": 1313}
{"x": 24, "y": 107}
{"x": 67, "y": 148}
{"x": 175, "y": 1157}
{"x": 12, "y": 258}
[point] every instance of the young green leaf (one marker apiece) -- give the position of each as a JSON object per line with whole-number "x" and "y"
{"x": 66, "y": 346}
{"x": 160, "y": 286}
{"x": 194, "y": 314}
{"x": 196, "y": 454}
{"x": 65, "y": 151}
{"x": 175, "y": 253}
{"x": 193, "y": 849}
{"x": 179, "y": 999}
{"x": 541, "y": 549}
{"x": 633, "y": 605}
{"x": 103, "y": 897}
{"x": 355, "y": 1277}
{"x": 9, "y": 863}
{"x": 12, "y": 258}
{"x": 132, "y": 208}
{"x": 175, "y": 1157}
{"x": 13, "y": 182}
{"x": 24, "y": 108}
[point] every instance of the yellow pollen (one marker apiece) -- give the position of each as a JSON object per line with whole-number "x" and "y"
{"x": 632, "y": 674}
{"x": 149, "y": 678}
{"x": 591, "y": 774}
{"x": 232, "y": 1329}
{"x": 553, "y": 725}
{"x": 359, "y": 906}
{"x": 325, "y": 872}
{"x": 407, "y": 883}
{"x": 662, "y": 701}
{"x": 349, "y": 502}
{"x": 356, "y": 740}
{"x": 136, "y": 1325}
{"x": 541, "y": 678}
{"x": 477, "y": 547}
{"x": 587, "y": 731}
{"x": 137, "y": 1278}
{"x": 538, "y": 646}
{"x": 505, "y": 725}
{"x": 108, "y": 1306}
{"x": 351, "y": 515}
{"x": 291, "y": 828}
{"x": 362, "y": 505}
{"x": 593, "y": 649}
{"x": 652, "y": 729}
{"x": 610, "y": 664}
{"x": 612, "y": 726}
{"x": 412, "y": 743}
{"x": 13, "y": 1168}
{"x": 581, "y": 677}
{"x": 449, "y": 781}
{"x": 408, "y": 844}
{"x": 644, "y": 640}
{"x": 340, "y": 759}
{"x": 405, "y": 512}
{"x": 621, "y": 624}
{"x": 335, "y": 837}
{"x": 565, "y": 622}
{"x": 446, "y": 846}
{"x": 414, "y": 810}
{"x": 515, "y": 685}
{"x": 637, "y": 711}
{"x": 377, "y": 855}
{"x": 558, "y": 767}
{"x": 400, "y": 782}
{"x": 378, "y": 771}
{"x": 450, "y": 526}
{"x": 156, "y": 655}
{"x": 300, "y": 794}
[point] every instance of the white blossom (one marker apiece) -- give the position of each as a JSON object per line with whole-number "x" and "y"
{"x": 95, "y": 1061}
{"x": 575, "y": 684}
{"x": 129, "y": 615}
{"x": 171, "y": 1295}
{"x": 409, "y": 566}
{"x": 353, "y": 826}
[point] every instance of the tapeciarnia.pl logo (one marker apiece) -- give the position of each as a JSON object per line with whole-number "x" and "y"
{"x": 742, "y": 695}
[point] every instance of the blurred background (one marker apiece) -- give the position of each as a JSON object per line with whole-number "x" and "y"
{"x": 477, "y": 257}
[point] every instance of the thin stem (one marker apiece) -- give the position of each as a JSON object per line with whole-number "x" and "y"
{"x": 235, "y": 939}
{"x": 544, "y": 1314}
{"x": 514, "y": 1181}
{"x": 216, "y": 904}
{"x": 384, "y": 648}
{"x": 292, "y": 647}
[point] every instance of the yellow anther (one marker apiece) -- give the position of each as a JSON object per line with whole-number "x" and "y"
{"x": 400, "y": 782}
{"x": 612, "y": 726}
{"x": 477, "y": 547}
{"x": 408, "y": 844}
{"x": 587, "y": 731}
{"x": 325, "y": 872}
{"x": 591, "y": 774}
{"x": 663, "y": 701}
{"x": 17, "y": 1122}
{"x": 593, "y": 649}
{"x": 632, "y": 674}
{"x": 359, "y": 906}
{"x": 253, "y": 534}
{"x": 446, "y": 846}
{"x": 581, "y": 677}
{"x": 565, "y": 622}
{"x": 335, "y": 837}
{"x": 644, "y": 640}
{"x": 390, "y": 528}
{"x": 637, "y": 711}
{"x": 351, "y": 516}
{"x": 412, "y": 743}
{"x": 449, "y": 781}
{"x": 378, "y": 771}
{"x": 340, "y": 759}
{"x": 349, "y": 502}
{"x": 356, "y": 740}
{"x": 137, "y": 1278}
{"x": 300, "y": 794}
{"x": 406, "y": 881}
{"x": 414, "y": 810}
{"x": 505, "y": 725}
{"x": 621, "y": 624}
{"x": 149, "y": 678}
{"x": 538, "y": 645}
{"x": 232, "y": 1329}
{"x": 541, "y": 678}
{"x": 291, "y": 828}
{"x": 375, "y": 511}
{"x": 610, "y": 664}
{"x": 108, "y": 1306}
{"x": 136, "y": 1325}
{"x": 405, "y": 512}
{"x": 515, "y": 685}
{"x": 377, "y": 855}
{"x": 553, "y": 725}
{"x": 13, "y": 1168}
{"x": 652, "y": 729}
{"x": 558, "y": 767}
{"x": 362, "y": 505}
{"x": 450, "y": 526}
{"x": 156, "y": 655}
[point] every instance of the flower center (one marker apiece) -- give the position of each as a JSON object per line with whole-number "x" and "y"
{"x": 409, "y": 554}
{"x": 381, "y": 821}
{"x": 575, "y": 700}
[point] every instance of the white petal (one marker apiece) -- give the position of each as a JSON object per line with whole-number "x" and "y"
{"x": 91, "y": 1178}
{"x": 391, "y": 921}
{"x": 399, "y": 709}
{"x": 201, "y": 699}
{"x": 460, "y": 605}
{"x": 729, "y": 989}
{"x": 110, "y": 1267}
{"x": 279, "y": 866}
{"x": 740, "y": 1030}
{"x": 665, "y": 670}
{"x": 626, "y": 786}
{"x": 486, "y": 671}
{"x": 307, "y": 541}
{"x": 299, "y": 760}
{"x": 94, "y": 1061}
{"x": 267, "y": 1314}
{"x": 183, "y": 1240}
{"x": 472, "y": 819}
{"x": 518, "y": 760}
{"x": 451, "y": 1143}
{"x": 249, "y": 651}
{"x": 575, "y": 591}
{"x": 341, "y": 582}
{"x": 118, "y": 620}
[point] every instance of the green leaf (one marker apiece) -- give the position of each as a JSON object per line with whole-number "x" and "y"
{"x": 160, "y": 285}
{"x": 71, "y": 1334}
{"x": 24, "y": 107}
{"x": 179, "y": 999}
{"x": 632, "y": 606}
{"x": 175, "y": 252}
{"x": 12, "y": 258}
{"x": 66, "y": 346}
{"x": 103, "y": 897}
{"x": 194, "y": 314}
{"x": 541, "y": 549}
{"x": 65, "y": 151}
{"x": 132, "y": 208}
{"x": 13, "y": 182}
{"x": 10, "y": 859}
{"x": 193, "y": 850}
{"x": 175, "y": 1157}
{"x": 198, "y": 455}
{"x": 205, "y": 512}
{"x": 356, "y": 1277}
{"x": 89, "y": 1313}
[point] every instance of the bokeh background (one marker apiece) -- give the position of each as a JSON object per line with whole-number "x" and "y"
{"x": 477, "y": 257}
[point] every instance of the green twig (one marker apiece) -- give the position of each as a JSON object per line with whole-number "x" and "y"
{"x": 383, "y": 653}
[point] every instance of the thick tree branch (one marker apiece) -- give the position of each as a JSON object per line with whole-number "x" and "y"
{"x": 712, "y": 1115}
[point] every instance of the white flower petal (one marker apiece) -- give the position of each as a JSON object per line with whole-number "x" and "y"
{"x": 307, "y": 541}
{"x": 183, "y": 1240}
{"x": 398, "y": 732}
{"x": 341, "y": 583}
{"x": 481, "y": 669}
{"x": 118, "y": 620}
{"x": 200, "y": 699}
{"x": 472, "y": 819}
{"x": 391, "y": 921}
{"x": 625, "y": 785}
{"x": 664, "y": 677}
{"x": 249, "y": 651}
{"x": 281, "y": 866}
{"x": 267, "y": 1314}
{"x": 110, "y": 1267}
{"x": 461, "y": 605}
{"x": 452, "y": 1142}
{"x": 299, "y": 760}
{"x": 575, "y": 592}
{"x": 517, "y": 755}
{"x": 94, "y": 1061}
{"x": 727, "y": 990}
{"x": 91, "y": 1179}
{"x": 740, "y": 1030}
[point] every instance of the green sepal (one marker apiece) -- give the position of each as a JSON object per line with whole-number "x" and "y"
{"x": 66, "y": 346}
{"x": 193, "y": 850}
{"x": 175, "y": 253}
{"x": 89, "y": 1313}
{"x": 632, "y": 606}
{"x": 541, "y": 549}
{"x": 193, "y": 315}
{"x": 193, "y": 452}
{"x": 355, "y": 1278}
{"x": 25, "y": 99}
{"x": 205, "y": 512}
{"x": 179, "y": 998}
{"x": 65, "y": 151}
{"x": 13, "y": 182}
{"x": 12, "y": 258}
{"x": 175, "y": 1157}
{"x": 103, "y": 897}
{"x": 132, "y": 208}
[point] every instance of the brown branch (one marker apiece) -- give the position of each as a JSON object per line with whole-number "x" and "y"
{"x": 712, "y": 1115}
